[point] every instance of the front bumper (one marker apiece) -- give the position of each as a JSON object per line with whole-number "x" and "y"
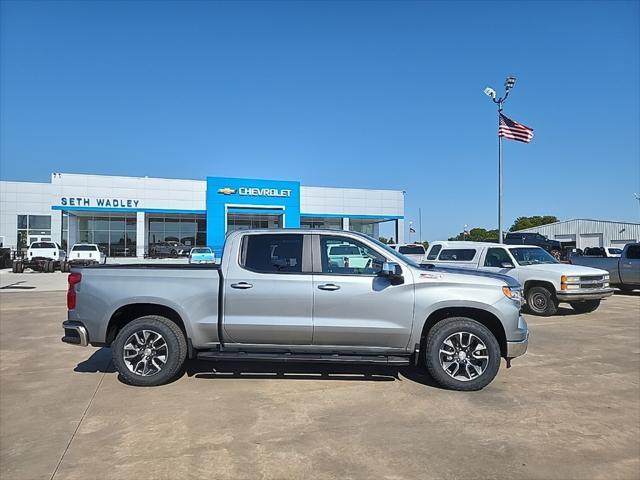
{"x": 75, "y": 333}
{"x": 577, "y": 295}
{"x": 518, "y": 346}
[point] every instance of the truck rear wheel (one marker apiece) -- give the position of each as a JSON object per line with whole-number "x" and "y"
{"x": 540, "y": 301}
{"x": 586, "y": 306}
{"x": 462, "y": 354}
{"x": 149, "y": 351}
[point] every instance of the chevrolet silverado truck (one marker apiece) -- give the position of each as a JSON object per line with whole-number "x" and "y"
{"x": 278, "y": 295}
{"x": 546, "y": 281}
{"x": 624, "y": 271}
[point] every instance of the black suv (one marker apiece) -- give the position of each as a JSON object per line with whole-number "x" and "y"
{"x": 554, "y": 247}
{"x": 168, "y": 249}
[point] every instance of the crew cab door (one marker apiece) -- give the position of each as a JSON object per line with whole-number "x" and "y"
{"x": 352, "y": 304}
{"x": 267, "y": 290}
{"x": 630, "y": 266}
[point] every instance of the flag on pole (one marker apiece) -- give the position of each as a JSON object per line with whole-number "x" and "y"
{"x": 514, "y": 130}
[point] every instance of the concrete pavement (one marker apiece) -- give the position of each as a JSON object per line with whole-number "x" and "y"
{"x": 569, "y": 409}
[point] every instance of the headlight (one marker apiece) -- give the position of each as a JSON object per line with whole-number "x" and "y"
{"x": 566, "y": 279}
{"x": 514, "y": 294}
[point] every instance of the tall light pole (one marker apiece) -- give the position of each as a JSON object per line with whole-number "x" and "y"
{"x": 509, "y": 83}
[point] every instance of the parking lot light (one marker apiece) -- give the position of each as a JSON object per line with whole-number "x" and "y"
{"x": 509, "y": 83}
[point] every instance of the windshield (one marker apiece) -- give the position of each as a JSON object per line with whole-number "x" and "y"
{"x": 392, "y": 252}
{"x": 201, "y": 250}
{"x": 615, "y": 251}
{"x": 412, "y": 249}
{"x": 531, "y": 256}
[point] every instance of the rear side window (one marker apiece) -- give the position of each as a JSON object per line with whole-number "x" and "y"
{"x": 433, "y": 253}
{"x": 43, "y": 245}
{"x": 273, "y": 253}
{"x": 458, "y": 254}
{"x": 412, "y": 249}
{"x": 633, "y": 252}
{"x": 84, "y": 248}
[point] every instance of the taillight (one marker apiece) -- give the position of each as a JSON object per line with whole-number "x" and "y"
{"x": 74, "y": 279}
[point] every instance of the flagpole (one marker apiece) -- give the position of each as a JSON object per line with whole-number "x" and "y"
{"x": 490, "y": 92}
{"x": 500, "y": 236}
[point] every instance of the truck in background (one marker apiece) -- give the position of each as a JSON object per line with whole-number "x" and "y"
{"x": 624, "y": 271}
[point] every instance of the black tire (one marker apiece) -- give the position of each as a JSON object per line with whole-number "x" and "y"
{"x": 173, "y": 254}
{"x": 176, "y": 350}
{"x": 46, "y": 266}
{"x": 587, "y": 306}
{"x": 540, "y": 301}
{"x": 14, "y": 267}
{"x": 435, "y": 342}
{"x": 52, "y": 266}
{"x": 20, "y": 267}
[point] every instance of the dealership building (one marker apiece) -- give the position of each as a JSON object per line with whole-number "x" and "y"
{"x": 128, "y": 215}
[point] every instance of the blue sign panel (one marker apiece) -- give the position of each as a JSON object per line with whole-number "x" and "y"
{"x": 251, "y": 196}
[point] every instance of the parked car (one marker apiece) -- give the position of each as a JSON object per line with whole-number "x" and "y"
{"x": 202, "y": 255}
{"x": 168, "y": 249}
{"x": 608, "y": 252}
{"x": 414, "y": 251}
{"x": 42, "y": 257}
{"x": 554, "y": 247}
{"x": 86, "y": 254}
{"x": 346, "y": 255}
{"x": 546, "y": 282}
{"x": 624, "y": 271}
{"x": 278, "y": 296}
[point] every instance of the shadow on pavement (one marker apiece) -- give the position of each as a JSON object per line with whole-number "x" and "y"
{"x": 100, "y": 361}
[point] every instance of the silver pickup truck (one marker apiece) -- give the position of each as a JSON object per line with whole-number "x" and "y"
{"x": 624, "y": 271}
{"x": 282, "y": 295}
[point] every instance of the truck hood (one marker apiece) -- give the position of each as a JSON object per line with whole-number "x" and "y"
{"x": 472, "y": 274}
{"x": 566, "y": 269}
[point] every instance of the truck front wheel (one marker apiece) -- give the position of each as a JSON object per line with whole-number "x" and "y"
{"x": 462, "y": 354}
{"x": 586, "y": 306}
{"x": 540, "y": 301}
{"x": 149, "y": 351}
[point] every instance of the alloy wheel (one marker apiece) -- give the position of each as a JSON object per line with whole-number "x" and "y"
{"x": 145, "y": 353}
{"x": 463, "y": 356}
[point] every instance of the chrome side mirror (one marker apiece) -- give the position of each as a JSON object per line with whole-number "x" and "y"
{"x": 393, "y": 272}
{"x": 507, "y": 265}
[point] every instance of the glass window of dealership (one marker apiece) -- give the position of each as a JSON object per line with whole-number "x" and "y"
{"x": 126, "y": 216}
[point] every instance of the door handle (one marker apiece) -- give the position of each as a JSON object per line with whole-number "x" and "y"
{"x": 329, "y": 286}
{"x": 241, "y": 285}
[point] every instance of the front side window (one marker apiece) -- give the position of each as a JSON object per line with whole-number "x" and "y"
{"x": 457, "y": 254}
{"x": 496, "y": 257}
{"x": 345, "y": 256}
{"x": 273, "y": 253}
{"x": 433, "y": 253}
{"x": 532, "y": 256}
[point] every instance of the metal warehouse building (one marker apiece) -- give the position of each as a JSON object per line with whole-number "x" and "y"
{"x": 590, "y": 233}
{"x": 128, "y": 215}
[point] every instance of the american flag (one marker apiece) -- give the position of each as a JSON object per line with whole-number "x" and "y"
{"x": 514, "y": 130}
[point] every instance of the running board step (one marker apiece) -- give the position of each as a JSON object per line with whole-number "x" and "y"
{"x": 304, "y": 358}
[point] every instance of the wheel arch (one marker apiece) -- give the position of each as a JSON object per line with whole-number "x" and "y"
{"x": 127, "y": 313}
{"x": 484, "y": 317}
{"x": 528, "y": 284}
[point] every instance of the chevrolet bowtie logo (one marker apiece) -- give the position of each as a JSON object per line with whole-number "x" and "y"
{"x": 227, "y": 191}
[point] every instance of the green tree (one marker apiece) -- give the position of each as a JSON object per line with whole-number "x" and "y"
{"x": 425, "y": 244}
{"x": 522, "y": 223}
{"x": 477, "y": 235}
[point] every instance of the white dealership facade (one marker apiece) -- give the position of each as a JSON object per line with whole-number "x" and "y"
{"x": 125, "y": 215}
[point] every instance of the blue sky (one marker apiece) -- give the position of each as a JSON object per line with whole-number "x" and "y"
{"x": 358, "y": 94}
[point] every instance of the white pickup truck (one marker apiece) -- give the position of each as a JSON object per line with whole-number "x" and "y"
{"x": 86, "y": 254}
{"x": 42, "y": 257}
{"x": 546, "y": 281}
